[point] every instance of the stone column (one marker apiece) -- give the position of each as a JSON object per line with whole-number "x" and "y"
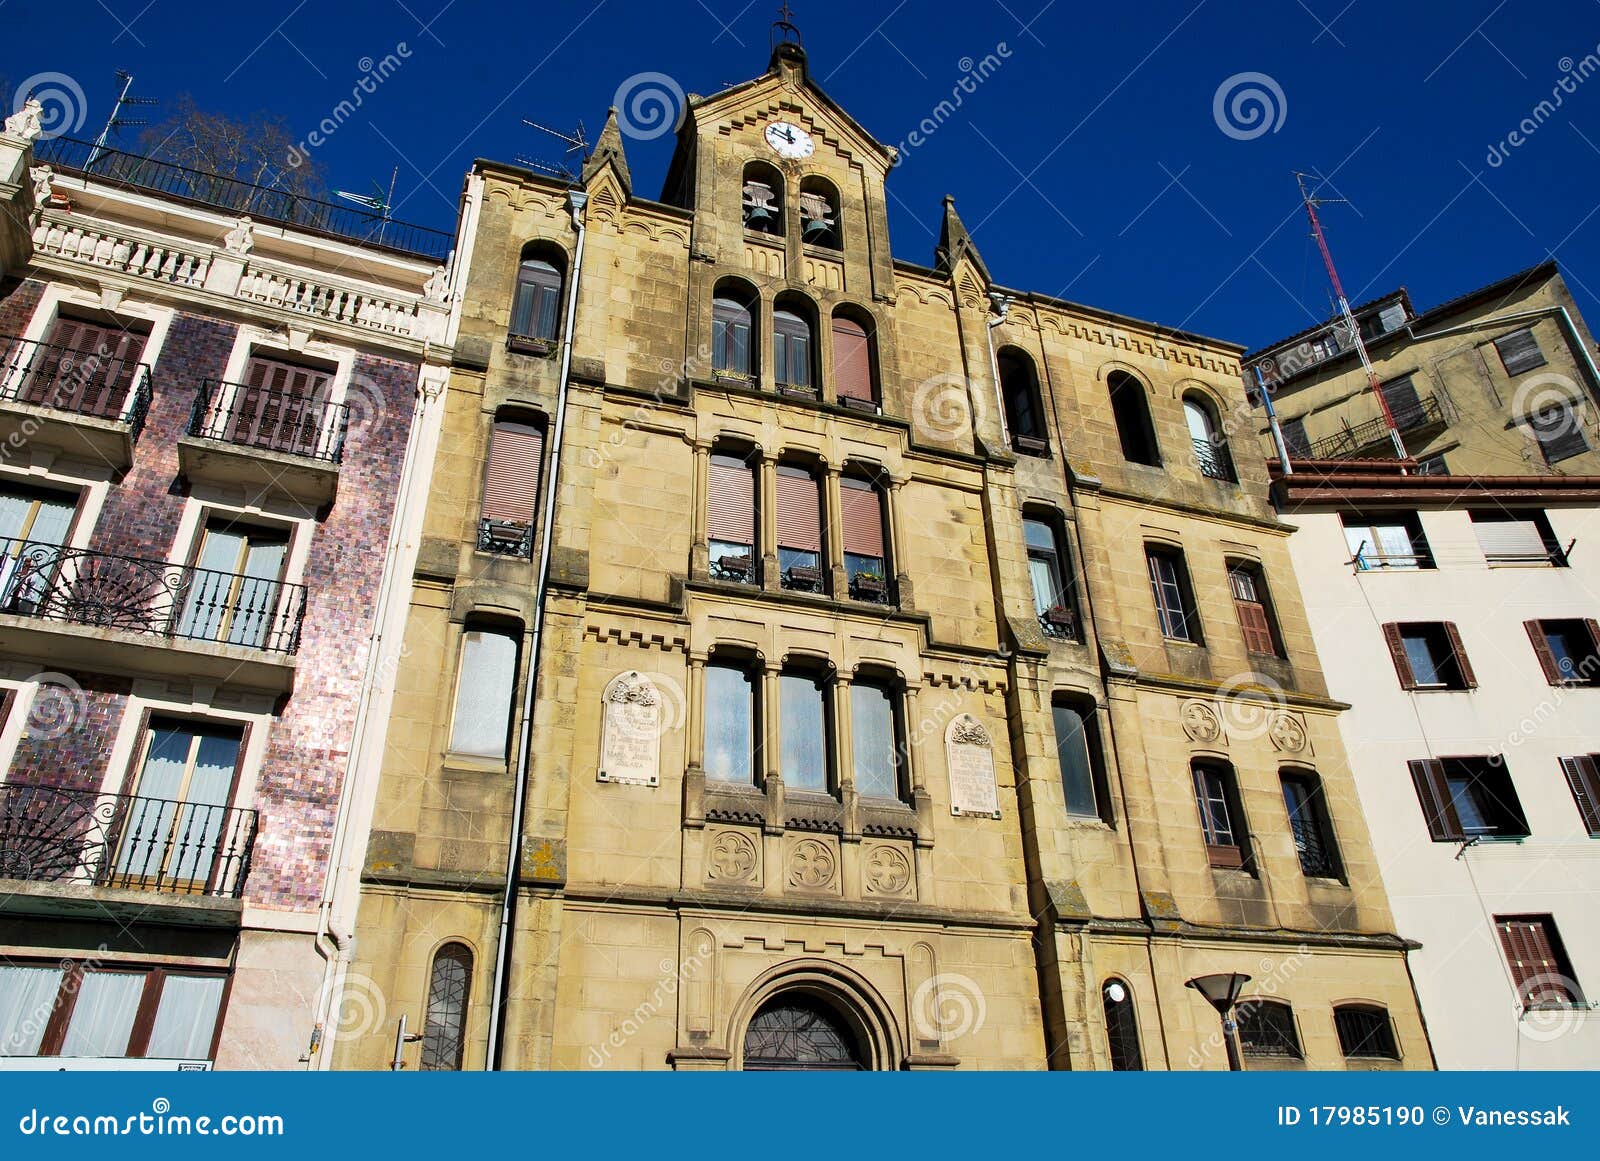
{"x": 766, "y": 546}
{"x": 903, "y": 596}
{"x": 699, "y": 548}
{"x": 772, "y": 776}
{"x": 833, "y": 534}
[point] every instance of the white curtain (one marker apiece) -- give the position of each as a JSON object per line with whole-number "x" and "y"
{"x": 186, "y": 1019}
{"x": 27, "y": 997}
{"x": 102, "y": 1019}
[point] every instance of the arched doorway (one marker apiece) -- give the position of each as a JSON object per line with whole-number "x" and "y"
{"x": 794, "y": 1031}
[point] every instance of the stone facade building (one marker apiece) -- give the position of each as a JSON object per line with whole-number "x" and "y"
{"x": 818, "y": 658}
{"x": 209, "y": 397}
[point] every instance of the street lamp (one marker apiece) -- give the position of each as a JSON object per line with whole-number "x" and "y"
{"x": 1221, "y": 991}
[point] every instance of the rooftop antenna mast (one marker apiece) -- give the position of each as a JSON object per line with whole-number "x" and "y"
{"x": 116, "y": 121}
{"x": 377, "y": 201}
{"x": 1311, "y": 203}
{"x": 576, "y": 142}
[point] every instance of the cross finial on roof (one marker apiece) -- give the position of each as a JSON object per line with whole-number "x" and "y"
{"x": 784, "y": 26}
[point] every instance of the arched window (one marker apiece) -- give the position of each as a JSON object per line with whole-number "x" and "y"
{"x": 855, "y": 380}
{"x": 1210, "y": 446}
{"x": 1019, "y": 391}
{"x": 1365, "y": 1032}
{"x": 1267, "y": 1028}
{"x": 733, "y": 331}
{"x": 878, "y": 739}
{"x": 1122, "y": 1027}
{"x": 819, "y": 214}
{"x": 444, "y": 1032}
{"x": 861, "y": 524}
{"x": 799, "y": 1031}
{"x": 763, "y": 199}
{"x": 804, "y": 730}
{"x": 536, "y": 304}
{"x": 799, "y": 513}
{"x": 511, "y": 485}
{"x": 1132, "y": 412}
{"x": 794, "y": 345}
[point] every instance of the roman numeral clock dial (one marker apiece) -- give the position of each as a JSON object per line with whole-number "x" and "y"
{"x": 789, "y": 141}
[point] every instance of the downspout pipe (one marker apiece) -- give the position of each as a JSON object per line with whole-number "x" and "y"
{"x": 576, "y": 201}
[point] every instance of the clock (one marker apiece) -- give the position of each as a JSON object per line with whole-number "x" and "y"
{"x": 789, "y": 141}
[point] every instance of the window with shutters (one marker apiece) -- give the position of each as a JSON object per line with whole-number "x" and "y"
{"x": 511, "y": 486}
{"x": 1267, "y": 1028}
{"x": 1559, "y": 433}
{"x": 1468, "y": 798}
{"x": 794, "y": 348}
{"x": 1519, "y": 351}
{"x": 1583, "y": 779}
{"x": 1365, "y": 1032}
{"x": 819, "y": 214}
{"x": 1434, "y": 465}
{"x": 855, "y": 379}
{"x": 1404, "y": 404}
{"x": 536, "y": 301}
{"x": 1390, "y": 541}
{"x": 84, "y": 367}
{"x": 1122, "y": 1027}
{"x": 1078, "y": 756}
{"x": 1131, "y": 410}
{"x": 762, "y": 199}
{"x": 444, "y": 1028}
{"x": 1517, "y": 538}
{"x": 280, "y": 406}
{"x": 878, "y": 738}
{"x": 1052, "y": 591}
{"x": 1174, "y": 596}
{"x": 1429, "y": 655}
{"x": 731, "y": 519}
{"x": 486, "y": 681}
{"x": 1295, "y": 438}
{"x": 1568, "y": 650}
{"x": 861, "y": 528}
{"x": 733, "y": 331}
{"x": 1211, "y": 454}
{"x": 1256, "y": 622}
{"x": 1019, "y": 391}
{"x": 799, "y": 505}
{"x": 1309, "y": 824}
{"x": 1216, "y": 794}
{"x": 803, "y": 731}
{"x": 730, "y": 721}
{"x": 1540, "y": 970}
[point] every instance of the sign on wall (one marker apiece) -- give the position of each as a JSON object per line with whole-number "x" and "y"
{"x": 630, "y": 735}
{"x": 970, "y": 757}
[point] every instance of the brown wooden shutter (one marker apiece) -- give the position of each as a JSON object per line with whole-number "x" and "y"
{"x": 1397, "y": 652}
{"x": 1468, "y": 678}
{"x": 861, "y": 517}
{"x": 1541, "y": 650}
{"x": 1257, "y": 629}
{"x": 511, "y": 486}
{"x": 799, "y": 510}
{"x": 1434, "y": 794}
{"x": 1583, "y": 776}
{"x": 1531, "y": 955}
{"x": 852, "y": 363}
{"x": 102, "y": 362}
{"x": 731, "y": 501}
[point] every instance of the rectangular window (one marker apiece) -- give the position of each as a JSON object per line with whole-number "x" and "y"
{"x": 1078, "y": 753}
{"x": 78, "y": 1010}
{"x": 1295, "y": 438}
{"x": 1052, "y": 601}
{"x": 87, "y": 368}
{"x": 730, "y": 724}
{"x": 1169, "y": 583}
{"x": 232, "y": 594}
{"x": 485, "y": 688}
{"x": 1429, "y": 655}
{"x": 1434, "y": 465}
{"x": 1309, "y": 824}
{"x": 1390, "y": 541}
{"x": 876, "y": 737}
{"x": 1467, "y": 798}
{"x": 33, "y": 524}
{"x": 861, "y": 528}
{"x": 1583, "y": 779}
{"x": 1249, "y": 601}
{"x": 1405, "y": 405}
{"x": 511, "y": 488}
{"x": 1517, "y": 538}
{"x": 799, "y": 502}
{"x": 1568, "y": 650}
{"x": 1539, "y": 966}
{"x": 803, "y": 733}
{"x": 731, "y": 519}
{"x": 277, "y": 405}
{"x": 1221, "y": 821}
{"x": 180, "y": 833}
{"x": 1519, "y": 351}
{"x": 1559, "y": 433}
{"x": 852, "y": 361}
{"x": 1365, "y": 1033}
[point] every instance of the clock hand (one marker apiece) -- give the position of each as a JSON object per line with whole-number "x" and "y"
{"x": 788, "y": 134}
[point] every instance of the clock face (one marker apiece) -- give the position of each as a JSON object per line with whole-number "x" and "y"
{"x": 789, "y": 141}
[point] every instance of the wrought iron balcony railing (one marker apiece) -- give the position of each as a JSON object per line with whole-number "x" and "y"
{"x": 1213, "y": 460}
{"x": 54, "y": 834}
{"x": 505, "y": 538}
{"x": 1315, "y": 857}
{"x": 280, "y": 421}
{"x": 241, "y": 197}
{"x": 99, "y": 385}
{"x": 1410, "y": 418}
{"x": 152, "y": 597}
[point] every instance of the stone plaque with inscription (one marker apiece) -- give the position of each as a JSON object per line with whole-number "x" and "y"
{"x": 630, "y": 736}
{"x": 970, "y": 756}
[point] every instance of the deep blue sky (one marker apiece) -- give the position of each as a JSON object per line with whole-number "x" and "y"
{"x": 1089, "y": 165}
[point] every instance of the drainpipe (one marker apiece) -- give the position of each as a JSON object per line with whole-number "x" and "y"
{"x": 1272, "y": 422}
{"x": 576, "y": 200}
{"x": 1000, "y": 306}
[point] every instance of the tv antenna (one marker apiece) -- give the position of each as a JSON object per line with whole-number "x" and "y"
{"x": 576, "y": 142}
{"x": 377, "y": 202}
{"x": 116, "y": 121}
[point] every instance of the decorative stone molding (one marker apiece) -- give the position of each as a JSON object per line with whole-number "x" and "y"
{"x": 888, "y": 870}
{"x": 969, "y": 757}
{"x": 733, "y": 858}
{"x": 812, "y": 864}
{"x": 1200, "y": 721}
{"x": 241, "y": 239}
{"x": 1288, "y": 733}
{"x": 25, "y": 122}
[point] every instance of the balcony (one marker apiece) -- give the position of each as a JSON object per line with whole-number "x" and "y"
{"x": 506, "y": 538}
{"x": 1316, "y": 858}
{"x": 1416, "y": 421}
{"x": 86, "y": 406}
{"x": 264, "y": 440}
{"x": 87, "y": 853}
{"x": 79, "y": 609}
{"x": 1059, "y": 623}
{"x": 1213, "y": 460}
